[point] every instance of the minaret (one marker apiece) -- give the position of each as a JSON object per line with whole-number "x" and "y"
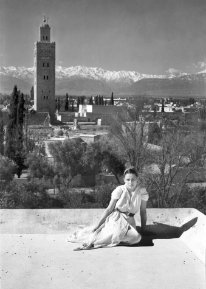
{"x": 44, "y": 71}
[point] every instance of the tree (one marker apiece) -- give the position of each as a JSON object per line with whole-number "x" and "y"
{"x": 78, "y": 101}
{"x": 66, "y": 107}
{"x": 7, "y": 169}
{"x": 197, "y": 198}
{"x": 112, "y": 99}
{"x": 111, "y": 157}
{"x": 11, "y": 129}
{"x": 67, "y": 156}
{"x": 113, "y": 163}
{"x": 82, "y": 99}
{"x": 91, "y": 100}
{"x": 58, "y": 103}
{"x": 178, "y": 159}
{"x": 102, "y": 155}
{"x": 191, "y": 100}
{"x": 96, "y": 100}
{"x": 14, "y": 131}
{"x": 154, "y": 134}
{"x": 39, "y": 167}
{"x": 128, "y": 130}
{"x": 72, "y": 101}
{"x": 99, "y": 100}
{"x": 32, "y": 93}
{"x": 163, "y": 105}
{"x": 1, "y": 137}
{"x": 90, "y": 160}
{"x": 154, "y": 108}
{"x": 56, "y": 182}
{"x": 20, "y": 153}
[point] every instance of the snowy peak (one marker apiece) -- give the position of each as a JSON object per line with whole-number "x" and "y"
{"x": 17, "y": 72}
{"x": 101, "y": 74}
{"x": 80, "y": 71}
{"x": 82, "y": 80}
{"x": 96, "y": 73}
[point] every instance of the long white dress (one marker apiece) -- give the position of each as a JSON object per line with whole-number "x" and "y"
{"x": 118, "y": 226}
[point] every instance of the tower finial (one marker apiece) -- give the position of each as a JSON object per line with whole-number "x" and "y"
{"x": 45, "y": 19}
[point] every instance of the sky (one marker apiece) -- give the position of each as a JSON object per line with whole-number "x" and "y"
{"x": 148, "y": 36}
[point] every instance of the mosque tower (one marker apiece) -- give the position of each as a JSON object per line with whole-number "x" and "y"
{"x": 44, "y": 71}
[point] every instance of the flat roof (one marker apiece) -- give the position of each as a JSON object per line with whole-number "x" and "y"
{"x": 35, "y": 252}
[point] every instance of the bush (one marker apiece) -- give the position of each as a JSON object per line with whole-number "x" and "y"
{"x": 77, "y": 199}
{"x": 60, "y": 133}
{"x": 7, "y": 169}
{"x": 39, "y": 166}
{"x": 30, "y": 195}
{"x": 99, "y": 199}
{"x": 194, "y": 198}
{"x": 70, "y": 200}
{"x": 103, "y": 194}
{"x": 189, "y": 198}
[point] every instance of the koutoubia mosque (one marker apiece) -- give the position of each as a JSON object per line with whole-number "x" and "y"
{"x": 44, "y": 71}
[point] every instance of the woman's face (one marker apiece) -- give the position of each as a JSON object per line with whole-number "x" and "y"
{"x": 130, "y": 181}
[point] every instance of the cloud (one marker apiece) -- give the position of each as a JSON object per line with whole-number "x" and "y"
{"x": 200, "y": 65}
{"x": 173, "y": 71}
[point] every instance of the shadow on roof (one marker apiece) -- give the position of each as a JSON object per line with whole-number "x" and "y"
{"x": 161, "y": 231}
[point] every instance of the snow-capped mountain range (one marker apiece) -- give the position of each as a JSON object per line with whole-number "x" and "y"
{"x": 101, "y": 74}
{"x": 89, "y": 80}
{"x": 80, "y": 71}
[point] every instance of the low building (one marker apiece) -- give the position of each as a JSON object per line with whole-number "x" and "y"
{"x": 104, "y": 112}
{"x": 91, "y": 138}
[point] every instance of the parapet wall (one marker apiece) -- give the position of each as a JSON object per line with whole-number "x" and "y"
{"x": 65, "y": 221}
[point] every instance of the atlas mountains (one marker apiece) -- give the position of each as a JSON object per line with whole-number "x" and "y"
{"x": 81, "y": 80}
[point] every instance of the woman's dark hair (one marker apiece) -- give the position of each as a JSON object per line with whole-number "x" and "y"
{"x": 131, "y": 171}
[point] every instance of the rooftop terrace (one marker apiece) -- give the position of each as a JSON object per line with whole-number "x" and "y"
{"x": 35, "y": 252}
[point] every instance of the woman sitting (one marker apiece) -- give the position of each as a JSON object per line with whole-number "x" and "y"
{"x": 117, "y": 224}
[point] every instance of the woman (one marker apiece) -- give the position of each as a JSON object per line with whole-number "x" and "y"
{"x": 117, "y": 224}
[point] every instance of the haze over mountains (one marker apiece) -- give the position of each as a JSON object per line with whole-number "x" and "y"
{"x": 81, "y": 80}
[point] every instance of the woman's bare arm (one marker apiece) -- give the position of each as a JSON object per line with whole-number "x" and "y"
{"x": 143, "y": 214}
{"x": 106, "y": 213}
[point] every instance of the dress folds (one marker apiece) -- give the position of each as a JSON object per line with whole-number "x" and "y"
{"x": 118, "y": 226}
